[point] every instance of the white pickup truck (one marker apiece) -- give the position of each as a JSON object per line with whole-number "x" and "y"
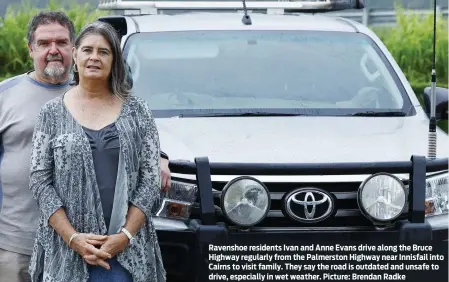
{"x": 283, "y": 123}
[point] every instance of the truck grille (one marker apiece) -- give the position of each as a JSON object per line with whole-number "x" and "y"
{"x": 347, "y": 215}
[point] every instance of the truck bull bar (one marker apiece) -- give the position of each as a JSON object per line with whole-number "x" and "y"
{"x": 208, "y": 231}
{"x": 417, "y": 167}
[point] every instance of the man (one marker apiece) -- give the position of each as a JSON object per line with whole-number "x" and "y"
{"x": 50, "y": 40}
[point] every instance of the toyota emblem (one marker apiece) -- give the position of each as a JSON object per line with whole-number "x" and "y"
{"x": 309, "y": 205}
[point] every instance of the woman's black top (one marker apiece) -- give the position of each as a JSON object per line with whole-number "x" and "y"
{"x": 105, "y": 147}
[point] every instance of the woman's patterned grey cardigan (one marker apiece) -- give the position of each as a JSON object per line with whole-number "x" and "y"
{"x": 62, "y": 175}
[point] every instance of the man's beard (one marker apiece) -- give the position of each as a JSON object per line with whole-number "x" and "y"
{"x": 56, "y": 72}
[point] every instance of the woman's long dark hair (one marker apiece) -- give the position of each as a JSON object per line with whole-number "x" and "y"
{"x": 119, "y": 83}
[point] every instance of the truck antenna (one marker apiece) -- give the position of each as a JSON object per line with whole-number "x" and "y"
{"x": 432, "y": 141}
{"x": 246, "y": 20}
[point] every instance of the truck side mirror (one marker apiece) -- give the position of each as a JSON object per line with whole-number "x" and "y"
{"x": 441, "y": 102}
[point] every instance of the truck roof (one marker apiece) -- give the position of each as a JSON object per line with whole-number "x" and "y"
{"x": 232, "y": 21}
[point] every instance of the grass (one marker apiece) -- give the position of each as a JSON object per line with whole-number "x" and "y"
{"x": 411, "y": 44}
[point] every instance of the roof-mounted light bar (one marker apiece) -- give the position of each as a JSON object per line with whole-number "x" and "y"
{"x": 293, "y": 6}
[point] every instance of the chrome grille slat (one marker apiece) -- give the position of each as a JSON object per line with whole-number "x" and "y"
{"x": 340, "y": 213}
{"x": 279, "y": 195}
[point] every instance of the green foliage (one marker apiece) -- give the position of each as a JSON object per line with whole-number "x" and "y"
{"x": 13, "y": 47}
{"x": 411, "y": 44}
{"x": 14, "y": 53}
{"x": 443, "y": 124}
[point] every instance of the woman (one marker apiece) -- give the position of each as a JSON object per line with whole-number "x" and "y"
{"x": 95, "y": 173}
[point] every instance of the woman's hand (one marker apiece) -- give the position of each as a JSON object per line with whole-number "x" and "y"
{"x": 86, "y": 246}
{"x": 115, "y": 244}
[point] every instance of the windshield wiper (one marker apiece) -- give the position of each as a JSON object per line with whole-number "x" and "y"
{"x": 246, "y": 114}
{"x": 379, "y": 114}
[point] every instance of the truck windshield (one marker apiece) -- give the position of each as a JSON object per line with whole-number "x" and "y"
{"x": 207, "y": 73}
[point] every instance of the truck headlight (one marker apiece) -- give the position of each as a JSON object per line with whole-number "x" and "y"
{"x": 245, "y": 201}
{"x": 177, "y": 202}
{"x": 437, "y": 195}
{"x": 382, "y": 197}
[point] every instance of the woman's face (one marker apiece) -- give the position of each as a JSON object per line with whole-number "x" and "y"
{"x": 94, "y": 58}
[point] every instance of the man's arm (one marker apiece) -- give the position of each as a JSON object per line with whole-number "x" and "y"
{"x": 164, "y": 155}
{"x": 166, "y": 174}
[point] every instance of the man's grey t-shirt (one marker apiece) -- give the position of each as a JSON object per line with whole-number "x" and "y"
{"x": 21, "y": 99}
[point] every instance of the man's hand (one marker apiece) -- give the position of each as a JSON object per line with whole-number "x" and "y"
{"x": 166, "y": 175}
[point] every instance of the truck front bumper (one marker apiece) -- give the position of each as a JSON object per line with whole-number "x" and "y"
{"x": 185, "y": 250}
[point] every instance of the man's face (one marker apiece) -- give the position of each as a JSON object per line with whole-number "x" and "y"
{"x": 51, "y": 51}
